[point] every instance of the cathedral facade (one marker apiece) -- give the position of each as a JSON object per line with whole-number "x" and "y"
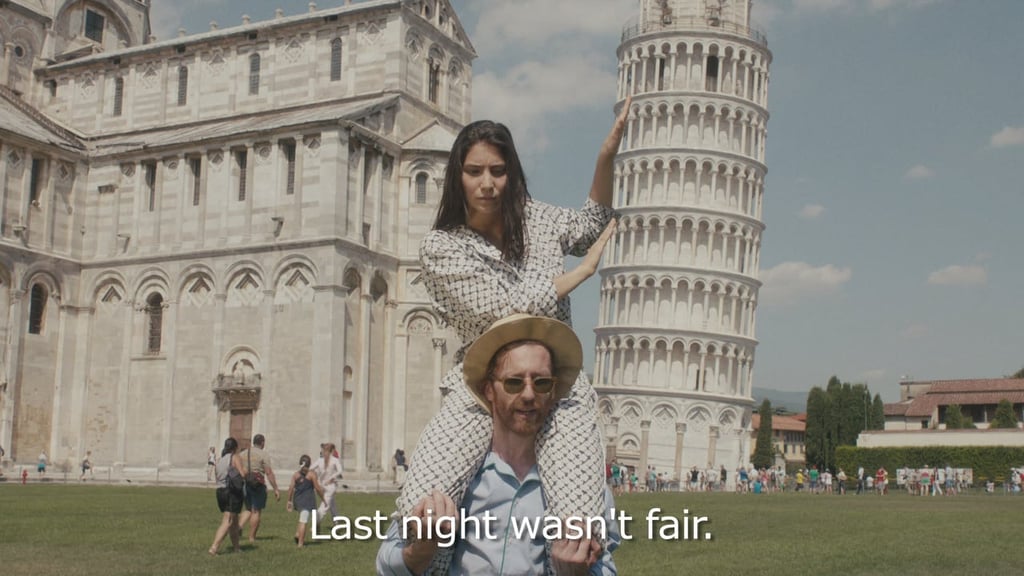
{"x": 217, "y": 234}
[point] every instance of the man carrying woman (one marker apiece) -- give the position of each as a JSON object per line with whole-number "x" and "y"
{"x": 494, "y": 252}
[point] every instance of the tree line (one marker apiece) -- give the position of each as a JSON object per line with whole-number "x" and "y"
{"x": 836, "y": 416}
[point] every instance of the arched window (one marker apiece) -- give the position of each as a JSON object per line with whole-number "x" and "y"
{"x": 37, "y": 309}
{"x": 94, "y": 24}
{"x": 335, "y": 59}
{"x": 118, "y": 95}
{"x": 182, "y": 85}
{"x": 154, "y": 322}
{"x": 421, "y": 188}
{"x": 433, "y": 79}
{"x": 254, "y": 74}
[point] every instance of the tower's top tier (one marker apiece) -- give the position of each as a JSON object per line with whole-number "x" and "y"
{"x": 729, "y": 16}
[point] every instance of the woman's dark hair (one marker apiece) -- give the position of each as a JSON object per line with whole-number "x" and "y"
{"x": 230, "y": 445}
{"x": 452, "y": 211}
{"x": 304, "y": 462}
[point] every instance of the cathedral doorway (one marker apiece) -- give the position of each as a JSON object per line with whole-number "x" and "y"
{"x": 241, "y": 427}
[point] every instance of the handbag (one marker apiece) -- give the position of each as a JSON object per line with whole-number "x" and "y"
{"x": 235, "y": 481}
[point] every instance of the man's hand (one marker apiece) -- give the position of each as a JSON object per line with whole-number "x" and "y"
{"x": 420, "y": 551}
{"x": 574, "y": 557}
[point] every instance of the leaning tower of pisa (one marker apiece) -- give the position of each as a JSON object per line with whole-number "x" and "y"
{"x": 679, "y": 283}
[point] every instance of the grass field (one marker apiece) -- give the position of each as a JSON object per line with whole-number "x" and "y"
{"x": 78, "y": 530}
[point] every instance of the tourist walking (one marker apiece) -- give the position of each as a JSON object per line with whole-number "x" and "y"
{"x": 302, "y": 493}
{"x": 228, "y": 472}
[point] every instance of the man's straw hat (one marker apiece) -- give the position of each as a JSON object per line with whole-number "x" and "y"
{"x": 565, "y": 347}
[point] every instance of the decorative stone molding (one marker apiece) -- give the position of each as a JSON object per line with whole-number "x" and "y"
{"x": 312, "y": 143}
{"x": 263, "y": 153}
{"x": 237, "y": 392}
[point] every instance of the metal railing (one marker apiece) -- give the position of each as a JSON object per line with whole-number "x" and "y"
{"x": 634, "y": 28}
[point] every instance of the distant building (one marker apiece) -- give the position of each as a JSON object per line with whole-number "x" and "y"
{"x": 919, "y": 419}
{"x": 788, "y": 433}
{"x": 923, "y": 404}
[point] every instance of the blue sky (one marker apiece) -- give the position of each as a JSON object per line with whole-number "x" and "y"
{"x": 894, "y": 188}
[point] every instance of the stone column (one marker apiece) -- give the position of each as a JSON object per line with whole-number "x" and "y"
{"x": 362, "y": 395}
{"x": 80, "y": 377}
{"x": 360, "y": 189}
{"x": 219, "y": 300}
{"x": 612, "y": 436}
{"x": 124, "y": 377}
{"x": 12, "y": 351}
{"x": 672, "y": 73}
{"x": 645, "y": 435}
{"x": 169, "y": 343}
{"x": 678, "y": 466}
{"x": 267, "y": 338}
{"x": 712, "y": 444}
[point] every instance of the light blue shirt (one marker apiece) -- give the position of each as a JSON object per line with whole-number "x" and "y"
{"x": 497, "y": 493}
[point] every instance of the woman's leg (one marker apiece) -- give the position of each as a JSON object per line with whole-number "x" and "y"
{"x": 236, "y": 533}
{"x": 448, "y": 454}
{"x": 451, "y": 448}
{"x": 222, "y": 531}
{"x": 570, "y": 455}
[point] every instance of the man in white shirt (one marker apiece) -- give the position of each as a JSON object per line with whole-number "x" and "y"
{"x": 328, "y": 470}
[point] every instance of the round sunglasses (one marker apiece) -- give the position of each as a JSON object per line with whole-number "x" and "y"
{"x": 514, "y": 384}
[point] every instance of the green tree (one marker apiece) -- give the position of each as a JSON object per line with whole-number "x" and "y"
{"x": 1004, "y": 416}
{"x": 1018, "y": 374}
{"x": 815, "y": 434}
{"x": 954, "y": 417}
{"x": 764, "y": 454}
{"x": 877, "y": 418}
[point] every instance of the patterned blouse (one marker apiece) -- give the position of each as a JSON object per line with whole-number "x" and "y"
{"x": 471, "y": 286}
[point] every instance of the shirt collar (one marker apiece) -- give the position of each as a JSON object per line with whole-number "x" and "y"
{"x": 494, "y": 462}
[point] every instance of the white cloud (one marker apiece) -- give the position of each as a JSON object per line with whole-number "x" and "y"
{"x": 913, "y": 331}
{"x": 885, "y": 4}
{"x": 765, "y": 13}
{"x": 533, "y": 23}
{"x": 545, "y": 62}
{"x": 790, "y": 282}
{"x": 525, "y": 95}
{"x": 919, "y": 172}
{"x": 774, "y": 7}
{"x": 957, "y": 275}
{"x": 1008, "y": 136}
{"x": 167, "y": 17}
{"x": 819, "y": 4}
{"x": 876, "y": 375}
{"x": 812, "y": 211}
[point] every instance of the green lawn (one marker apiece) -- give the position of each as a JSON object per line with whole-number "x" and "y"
{"x": 79, "y": 530}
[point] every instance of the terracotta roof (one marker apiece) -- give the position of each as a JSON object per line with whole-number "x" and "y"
{"x": 784, "y": 423}
{"x": 994, "y": 385}
{"x": 897, "y": 409}
{"x": 923, "y": 406}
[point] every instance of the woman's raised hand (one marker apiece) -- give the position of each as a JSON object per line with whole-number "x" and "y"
{"x": 614, "y": 138}
{"x": 604, "y": 170}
